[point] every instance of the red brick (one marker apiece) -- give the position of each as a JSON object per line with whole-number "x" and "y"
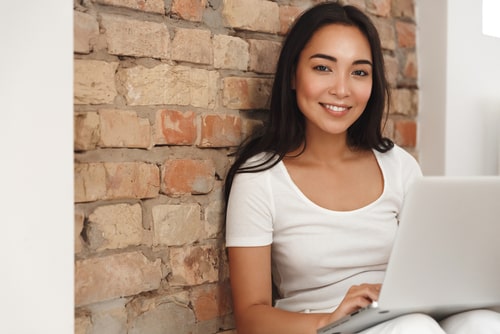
{"x": 174, "y": 127}
{"x": 405, "y": 132}
{"x": 380, "y": 7}
{"x": 211, "y": 301}
{"x": 246, "y": 93}
{"x": 263, "y": 56}
{"x": 220, "y": 131}
{"x": 288, "y": 14}
{"x": 191, "y": 10}
{"x": 114, "y": 276}
{"x": 406, "y": 34}
{"x": 185, "y": 176}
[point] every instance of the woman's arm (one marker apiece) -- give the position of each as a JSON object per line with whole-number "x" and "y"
{"x": 250, "y": 274}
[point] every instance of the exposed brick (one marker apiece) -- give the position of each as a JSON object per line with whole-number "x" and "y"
{"x": 387, "y": 33}
{"x": 288, "y": 14}
{"x": 195, "y": 265}
{"x": 404, "y": 102}
{"x": 185, "y": 176}
{"x": 109, "y": 316}
{"x": 86, "y": 130}
{"x": 123, "y": 128}
{"x": 411, "y": 66}
{"x": 220, "y": 131}
{"x": 167, "y": 317}
{"x": 86, "y": 30}
{"x": 131, "y": 37}
{"x": 177, "y": 225}
{"x": 94, "y": 81}
{"x": 406, "y": 34}
{"x": 379, "y": 7}
{"x": 79, "y": 219}
{"x": 253, "y": 15}
{"x": 263, "y": 55}
{"x": 174, "y": 127}
{"x": 115, "y": 226}
{"x": 99, "y": 181}
{"x": 246, "y": 93}
{"x": 192, "y": 45}
{"x": 230, "y": 52}
{"x": 211, "y": 301}
{"x": 404, "y": 8}
{"x": 405, "y": 132}
{"x": 214, "y": 218}
{"x": 166, "y": 84}
{"x": 114, "y": 276}
{"x": 152, "y": 6}
{"x": 83, "y": 324}
{"x": 191, "y": 10}
{"x": 392, "y": 70}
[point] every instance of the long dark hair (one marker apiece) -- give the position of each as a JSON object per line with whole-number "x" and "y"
{"x": 284, "y": 130}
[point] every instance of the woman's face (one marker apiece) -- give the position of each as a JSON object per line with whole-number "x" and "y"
{"x": 333, "y": 79}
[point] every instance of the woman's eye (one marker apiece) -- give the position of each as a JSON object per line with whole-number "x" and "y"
{"x": 321, "y": 68}
{"x": 360, "y": 73}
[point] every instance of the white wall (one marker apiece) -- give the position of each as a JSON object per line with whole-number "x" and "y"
{"x": 36, "y": 167}
{"x": 459, "y": 89}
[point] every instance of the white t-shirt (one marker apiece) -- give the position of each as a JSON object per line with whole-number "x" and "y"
{"x": 317, "y": 254}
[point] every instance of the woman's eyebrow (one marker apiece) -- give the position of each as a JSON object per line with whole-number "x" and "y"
{"x": 331, "y": 58}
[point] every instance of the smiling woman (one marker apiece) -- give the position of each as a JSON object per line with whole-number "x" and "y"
{"x": 313, "y": 200}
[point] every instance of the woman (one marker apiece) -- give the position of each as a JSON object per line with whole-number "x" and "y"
{"x": 313, "y": 201}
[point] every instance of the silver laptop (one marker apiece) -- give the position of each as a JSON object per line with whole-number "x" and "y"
{"x": 446, "y": 256}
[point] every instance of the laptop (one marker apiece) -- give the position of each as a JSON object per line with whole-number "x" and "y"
{"x": 446, "y": 255}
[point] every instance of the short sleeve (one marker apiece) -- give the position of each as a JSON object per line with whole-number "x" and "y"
{"x": 249, "y": 215}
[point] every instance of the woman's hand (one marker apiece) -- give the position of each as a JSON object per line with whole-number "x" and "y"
{"x": 358, "y": 296}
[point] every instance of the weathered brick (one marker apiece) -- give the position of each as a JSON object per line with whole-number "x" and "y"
{"x": 392, "y": 70}
{"x": 177, "y": 225}
{"x": 410, "y": 69}
{"x": 379, "y": 7}
{"x": 115, "y": 226}
{"x": 263, "y": 55}
{"x": 94, "y": 81}
{"x": 406, "y": 33}
{"x": 86, "y": 30}
{"x": 114, "y": 276}
{"x": 152, "y": 6}
{"x": 288, "y": 14}
{"x": 109, "y": 316}
{"x": 214, "y": 218}
{"x": 174, "y": 127}
{"x": 185, "y": 176}
{"x": 195, "y": 265}
{"x": 123, "y": 128}
{"x": 191, "y": 10}
{"x": 246, "y": 93}
{"x": 220, "y": 131}
{"x": 79, "y": 219}
{"x": 230, "y": 52}
{"x": 167, "y": 317}
{"x": 100, "y": 181}
{"x": 83, "y": 324}
{"x": 405, "y": 132}
{"x": 183, "y": 46}
{"x": 86, "y": 131}
{"x": 253, "y": 15}
{"x": 211, "y": 301}
{"x": 166, "y": 84}
{"x": 387, "y": 33}
{"x": 131, "y": 37}
{"x": 404, "y": 8}
{"x": 404, "y": 102}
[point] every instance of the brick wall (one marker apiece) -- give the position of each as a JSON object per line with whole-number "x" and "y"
{"x": 163, "y": 90}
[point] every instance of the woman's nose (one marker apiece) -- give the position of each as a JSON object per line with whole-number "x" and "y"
{"x": 339, "y": 86}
